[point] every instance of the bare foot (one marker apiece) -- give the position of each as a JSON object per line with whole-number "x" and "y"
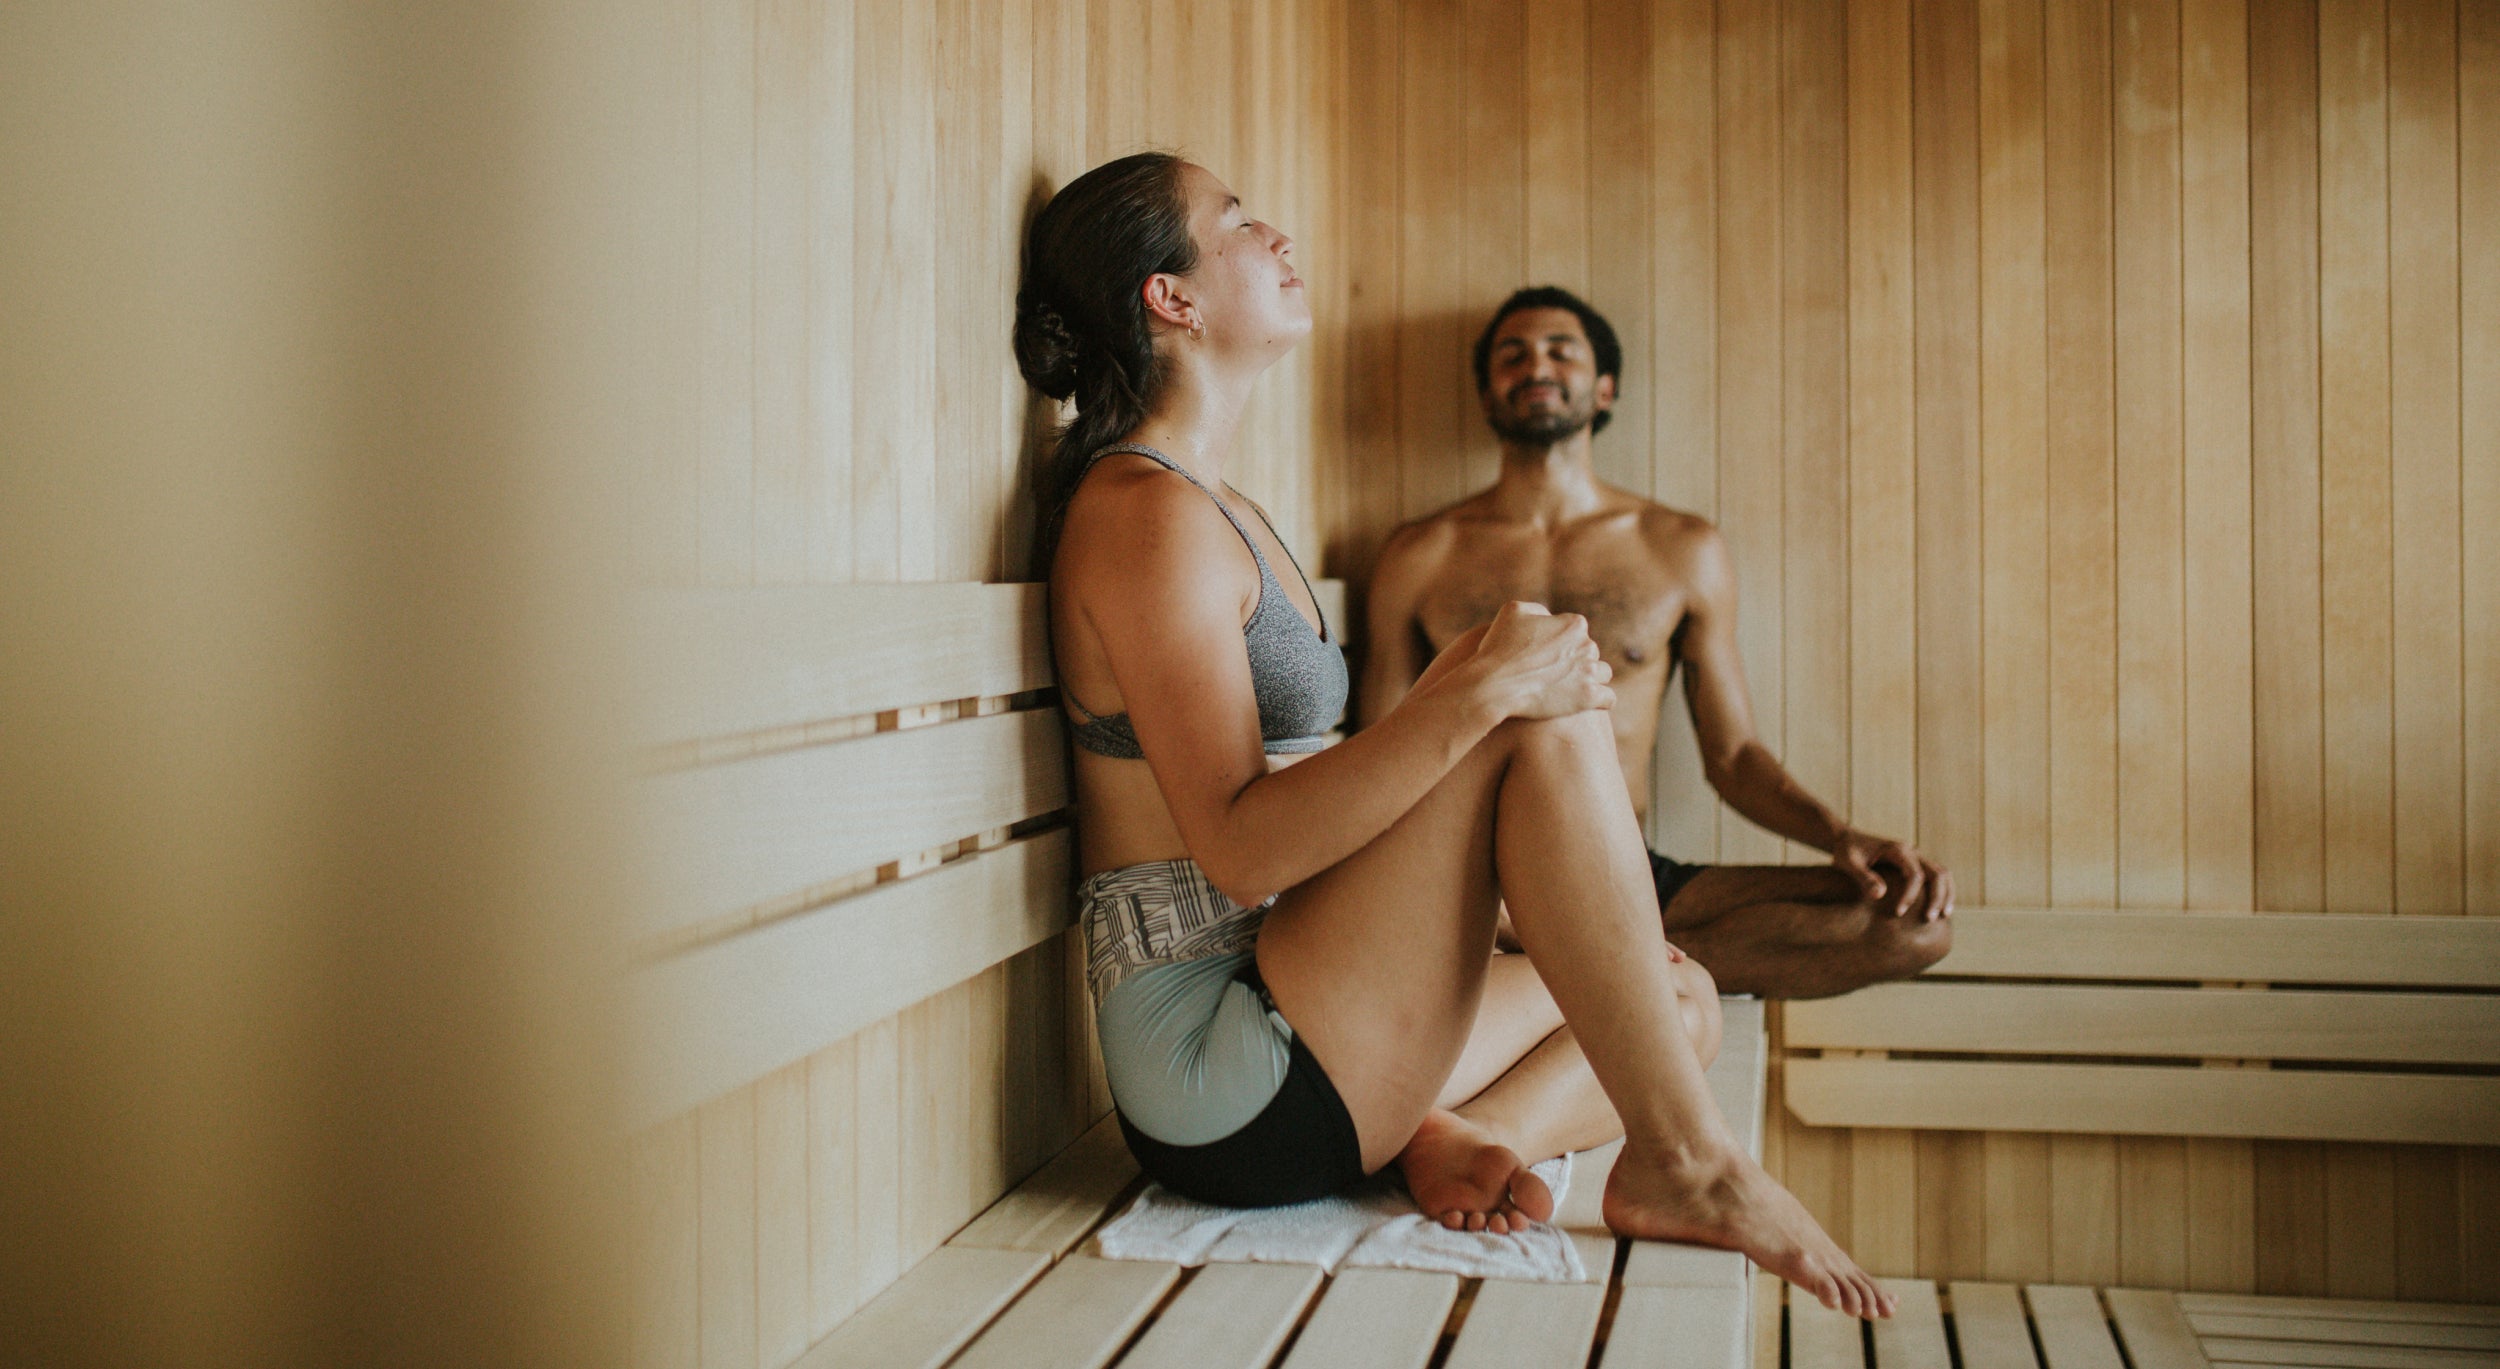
{"x": 1731, "y": 1203}
{"x": 1465, "y": 1180}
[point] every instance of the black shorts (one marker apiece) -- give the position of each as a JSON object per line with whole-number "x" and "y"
{"x": 1671, "y": 875}
{"x": 1301, "y": 1146}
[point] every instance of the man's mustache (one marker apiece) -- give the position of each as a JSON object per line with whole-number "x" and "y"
{"x": 1561, "y": 392}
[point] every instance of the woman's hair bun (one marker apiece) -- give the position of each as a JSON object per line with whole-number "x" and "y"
{"x": 1045, "y": 348}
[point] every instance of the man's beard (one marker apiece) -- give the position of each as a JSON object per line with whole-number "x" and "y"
{"x": 1552, "y": 427}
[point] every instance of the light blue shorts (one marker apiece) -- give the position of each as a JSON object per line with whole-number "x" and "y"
{"x": 1192, "y": 1050}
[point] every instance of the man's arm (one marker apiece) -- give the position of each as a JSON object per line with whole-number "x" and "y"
{"x": 1394, "y": 650}
{"x": 1749, "y": 777}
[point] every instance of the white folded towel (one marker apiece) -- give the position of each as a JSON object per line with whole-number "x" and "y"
{"x": 1373, "y": 1224}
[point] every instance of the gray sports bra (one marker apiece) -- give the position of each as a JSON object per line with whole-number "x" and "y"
{"x": 1298, "y": 675}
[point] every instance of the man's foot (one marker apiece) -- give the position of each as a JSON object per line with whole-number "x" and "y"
{"x": 1731, "y": 1203}
{"x": 1465, "y": 1180}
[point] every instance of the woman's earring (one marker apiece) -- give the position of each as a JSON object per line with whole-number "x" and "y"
{"x": 1197, "y": 329}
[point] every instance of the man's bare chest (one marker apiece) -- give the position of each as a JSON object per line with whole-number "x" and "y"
{"x": 1633, "y": 604}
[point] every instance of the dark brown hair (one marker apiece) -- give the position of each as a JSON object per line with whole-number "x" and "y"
{"x": 1081, "y": 324}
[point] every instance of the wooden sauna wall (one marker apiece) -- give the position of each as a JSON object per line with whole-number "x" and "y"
{"x": 2102, "y": 401}
{"x": 843, "y": 196}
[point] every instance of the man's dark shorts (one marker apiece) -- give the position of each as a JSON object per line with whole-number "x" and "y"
{"x": 1671, "y": 875}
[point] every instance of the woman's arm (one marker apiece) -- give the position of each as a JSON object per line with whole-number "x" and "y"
{"x": 1164, "y": 582}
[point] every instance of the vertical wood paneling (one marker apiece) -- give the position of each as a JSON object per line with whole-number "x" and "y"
{"x": 726, "y": 1254}
{"x": 782, "y": 1209}
{"x": 834, "y": 1276}
{"x": 2083, "y": 1209}
{"x": 2018, "y": 1207}
{"x": 2014, "y": 454}
{"x": 969, "y": 132}
{"x": 2288, "y": 705}
{"x": 2221, "y": 1215}
{"x": 1814, "y": 372}
{"x": 1495, "y": 170}
{"x": 2291, "y": 1219}
{"x": 877, "y": 1156}
{"x": 894, "y": 343}
{"x": 1554, "y": 61}
{"x": 2356, "y": 533}
{"x": 1432, "y": 322}
{"x": 1944, "y": 41}
{"x": 1684, "y": 365}
{"x": 725, "y": 286}
{"x": 2428, "y": 702}
{"x": 2478, "y": 249}
{"x": 2083, "y": 608}
{"x": 1749, "y": 341}
{"x": 1883, "y": 597}
{"x": 2152, "y": 781}
{"x": 1884, "y": 1200}
{"x": 1621, "y": 218}
{"x": 2152, "y": 1211}
{"x": 790, "y": 503}
{"x": 666, "y": 1182}
{"x": 833, "y": 209}
{"x": 2219, "y": 819}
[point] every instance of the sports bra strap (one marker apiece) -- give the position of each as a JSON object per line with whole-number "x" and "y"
{"x": 1176, "y": 468}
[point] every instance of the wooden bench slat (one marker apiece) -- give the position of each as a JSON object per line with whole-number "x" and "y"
{"x": 1077, "y": 1317}
{"x": 1820, "y": 1338}
{"x": 2146, "y": 1100}
{"x": 1376, "y": 1319}
{"x": 1683, "y": 1328}
{"x": 2153, "y": 1329}
{"x": 930, "y": 1313}
{"x": 2356, "y": 1309}
{"x": 1515, "y": 1325}
{"x": 721, "y": 662}
{"x": 2349, "y": 1331}
{"x": 2283, "y": 948}
{"x": 734, "y": 836}
{"x": 1051, "y": 1211}
{"x": 1669, "y": 1264}
{"x": 1741, "y": 1075}
{"x": 1231, "y": 1316}
{"x": 1913, "y": 1336}
{"x": 2042, "y": 1019}
{"x": 720, "y": 1015}
{"x": 1989, "y": 1324}
{"x": 2074, "y": 1334}
{"x": 2290, "y": 1352}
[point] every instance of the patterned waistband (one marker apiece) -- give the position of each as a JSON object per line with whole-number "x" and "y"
{"x": 1162, "y": 912}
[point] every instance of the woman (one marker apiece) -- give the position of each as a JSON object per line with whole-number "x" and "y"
{"x": 1293, "y": 962}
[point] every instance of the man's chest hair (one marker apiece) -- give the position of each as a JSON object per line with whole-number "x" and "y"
{"x": 1633, "y": 612}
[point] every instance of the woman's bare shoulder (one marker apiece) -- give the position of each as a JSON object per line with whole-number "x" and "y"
{"x": 1140, "y": 530}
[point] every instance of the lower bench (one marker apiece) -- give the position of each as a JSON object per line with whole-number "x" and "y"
{"x": 1013, "y": 1287}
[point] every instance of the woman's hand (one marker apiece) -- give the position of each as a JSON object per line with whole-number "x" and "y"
{"x": 1534, "y": 663}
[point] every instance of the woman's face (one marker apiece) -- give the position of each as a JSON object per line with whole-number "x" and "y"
{"x": 1247, "y": 294}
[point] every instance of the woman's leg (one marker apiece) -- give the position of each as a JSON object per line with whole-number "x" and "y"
{"x": 1523, "y": 1093}
{"x": 1381, "y": 960}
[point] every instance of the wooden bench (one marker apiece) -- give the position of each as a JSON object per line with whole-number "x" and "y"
{"x": 1017, "y": 1288}
{"x": 2269, "y": 1025}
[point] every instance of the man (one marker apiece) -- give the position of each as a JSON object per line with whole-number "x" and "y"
{"x": 1659, "y": 593}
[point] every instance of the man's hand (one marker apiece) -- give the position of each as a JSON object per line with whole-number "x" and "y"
{"x": 1895, "y": 875}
